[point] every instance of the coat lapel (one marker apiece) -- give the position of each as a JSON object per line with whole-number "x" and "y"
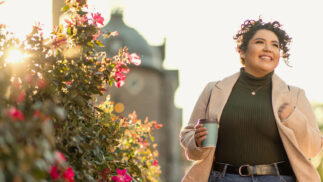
{"x": 220, "y": 94}
{"x": 281, "y": 94}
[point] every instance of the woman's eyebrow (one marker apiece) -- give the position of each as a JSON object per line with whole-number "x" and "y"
{"x": 274, "y": 41}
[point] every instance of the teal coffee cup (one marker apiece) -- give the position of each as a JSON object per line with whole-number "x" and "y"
{"x": 212, "y": 129}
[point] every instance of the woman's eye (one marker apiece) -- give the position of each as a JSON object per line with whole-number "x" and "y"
{"x": 276, "y": 45}
{"x": 259, "y": 42}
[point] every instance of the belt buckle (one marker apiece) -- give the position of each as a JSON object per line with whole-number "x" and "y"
{"x": 240, "y": 170}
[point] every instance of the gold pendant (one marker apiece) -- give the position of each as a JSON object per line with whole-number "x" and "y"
{"x": 253, "y": 93}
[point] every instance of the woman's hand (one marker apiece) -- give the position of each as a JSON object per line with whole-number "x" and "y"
{"x": 284, "y": 111}
{"x": 200, "y": 134}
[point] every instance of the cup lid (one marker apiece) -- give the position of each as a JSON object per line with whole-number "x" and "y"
{"x": 203, "y": 121}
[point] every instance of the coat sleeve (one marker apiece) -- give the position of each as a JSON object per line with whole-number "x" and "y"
{"x": 303, "y": 123}
{"x": 187, "y": 139}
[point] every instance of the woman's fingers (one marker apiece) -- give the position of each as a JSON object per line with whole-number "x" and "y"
{"x": 200, "y": 134}
{"x": 284, "y": 111}
{"x": 281, "y": 108}
{"x": 197, "y": 126}
{"x": 200, "y": 140}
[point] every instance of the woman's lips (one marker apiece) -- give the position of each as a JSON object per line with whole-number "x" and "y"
{"x": 266, "y": 57}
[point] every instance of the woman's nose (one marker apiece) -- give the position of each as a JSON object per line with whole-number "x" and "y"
{"x": 267, "y": 48}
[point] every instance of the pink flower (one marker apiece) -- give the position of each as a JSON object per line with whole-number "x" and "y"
{"x": 15, "y": 114}
{"x": 41, "y": 83}
{"x": 115, "y": 33}
{"x": 95, "y": 36}
{"x": 68, "y": 22}
{"x": 121, "y": 67}
{"x": 59, "y": 157}
{"x": 97, "y": 18}
{"x": 120, "y": 77}
{"x": 54, "y": 173}
{"x": 84, "y": 19}
{"x": 134, "y": 59}
{"x": 69, "y": 175}
{"x": 69, "y": 82}
{"x": 21, "y": 96}
{"x": 59, "y": 41}
{"x": 119, "y": 83}
{"x": 133, "y": 117}
{"x": 122, "y": 176}
{"x": 158, "y": 126}
{"x": 155, "y": 163}
{"x": 29, "y": 78}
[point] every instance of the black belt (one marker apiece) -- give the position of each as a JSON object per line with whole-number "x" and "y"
{"x": 282, "y": 168}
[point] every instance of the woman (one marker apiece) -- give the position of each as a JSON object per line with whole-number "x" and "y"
{"x": 267, "y": 129}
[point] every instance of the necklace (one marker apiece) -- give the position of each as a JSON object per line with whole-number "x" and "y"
{"x": 253, "y": 92}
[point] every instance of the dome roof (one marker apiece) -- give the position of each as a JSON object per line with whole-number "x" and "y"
{"x": 130, "y": 38}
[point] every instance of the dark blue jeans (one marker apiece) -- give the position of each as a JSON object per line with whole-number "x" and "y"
{"x": 217, "y": 176}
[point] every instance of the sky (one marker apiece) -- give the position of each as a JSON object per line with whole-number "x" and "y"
{"x": 199, "y": 35}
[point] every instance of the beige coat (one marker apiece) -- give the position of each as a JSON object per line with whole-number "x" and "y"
{"x": 299, "y": 132}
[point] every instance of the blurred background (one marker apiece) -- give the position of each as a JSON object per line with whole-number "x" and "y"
{"x": 184, "y": 45}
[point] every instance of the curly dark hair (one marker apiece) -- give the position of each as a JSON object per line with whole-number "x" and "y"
{"x": 250, "y": 27}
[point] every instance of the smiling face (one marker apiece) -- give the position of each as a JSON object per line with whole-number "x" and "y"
{"x": 262, "y": 54}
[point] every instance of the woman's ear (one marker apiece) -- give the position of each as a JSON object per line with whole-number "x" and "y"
{"x": 242, "y": 54}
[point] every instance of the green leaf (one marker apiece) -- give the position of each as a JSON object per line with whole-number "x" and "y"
{"x": 60, "y": 112}
{"x": 99, "y": 43}
{"x": 2, "y": 176}
{"x": 90, "y": 44}
{"x": 65, "y": 8}
{"x": 69, "y": 30}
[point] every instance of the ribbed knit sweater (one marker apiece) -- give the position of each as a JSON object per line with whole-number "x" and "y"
{"x": 248, "y": 133}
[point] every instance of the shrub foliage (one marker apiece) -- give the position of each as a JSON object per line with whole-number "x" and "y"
{"x": 50, "y": 128}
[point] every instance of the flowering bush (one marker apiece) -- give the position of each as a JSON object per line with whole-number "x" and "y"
{"x": 60, "y": 172}
{"x": 318, "y": 160}
{"x": 47, "y": 106}
{"x": 122, "y": 176}
{"x": 131, "y": 149}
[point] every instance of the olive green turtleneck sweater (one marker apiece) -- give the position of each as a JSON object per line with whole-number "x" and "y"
{"x": 248, "y": 133}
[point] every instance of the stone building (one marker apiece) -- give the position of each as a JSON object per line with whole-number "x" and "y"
{"x": 149, "y": 90}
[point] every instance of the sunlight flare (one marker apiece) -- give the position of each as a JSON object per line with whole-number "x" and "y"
{"x": 16, "y": 56}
